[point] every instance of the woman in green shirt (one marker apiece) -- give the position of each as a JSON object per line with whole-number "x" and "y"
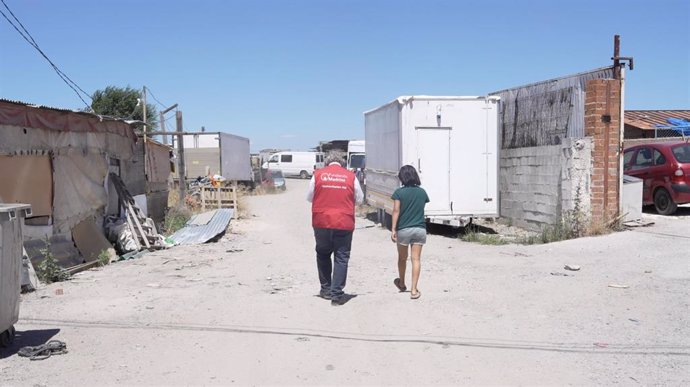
{"x": 409, "y": 226}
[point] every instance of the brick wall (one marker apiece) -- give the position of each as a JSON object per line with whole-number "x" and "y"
{"x": 602, "y": 124}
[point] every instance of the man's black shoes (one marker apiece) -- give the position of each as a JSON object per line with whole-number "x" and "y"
{"x": 338, "y": 302}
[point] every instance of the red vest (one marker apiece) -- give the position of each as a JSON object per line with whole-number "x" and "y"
{"x": 333, "y": 205}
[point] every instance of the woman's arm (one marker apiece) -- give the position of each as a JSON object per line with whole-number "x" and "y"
{"x": 396, "y": 214}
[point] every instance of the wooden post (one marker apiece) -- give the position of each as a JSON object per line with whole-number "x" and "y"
{"x": 165, "y": 136}
{"x": 235, "y": 205}
{"x": 219, "y": 197}
{"x": 182, "y": 173}
{"x": 202, "y": 196}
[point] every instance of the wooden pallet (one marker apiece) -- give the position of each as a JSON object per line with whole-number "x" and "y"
{"x": 220, "y": 197}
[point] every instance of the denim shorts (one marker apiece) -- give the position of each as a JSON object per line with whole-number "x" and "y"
{"x": 412, "y": 236}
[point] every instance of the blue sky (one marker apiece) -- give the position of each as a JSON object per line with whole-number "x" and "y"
{"x": 288, "y": 74}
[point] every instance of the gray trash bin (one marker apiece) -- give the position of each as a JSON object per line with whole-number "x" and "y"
{"x": 11, "y": 245}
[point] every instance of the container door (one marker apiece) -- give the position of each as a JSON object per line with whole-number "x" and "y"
{"x": 433, "y": 165}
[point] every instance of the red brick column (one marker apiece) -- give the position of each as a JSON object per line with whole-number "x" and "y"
{"x": 602, "y": 123}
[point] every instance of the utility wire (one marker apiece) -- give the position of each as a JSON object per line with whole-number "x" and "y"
{"x": 148, "y": 89}
{"x": 35, "y": 45}
{"x": 27, "y": 36}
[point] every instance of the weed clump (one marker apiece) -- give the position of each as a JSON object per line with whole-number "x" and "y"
{"x": 48, "y": 270}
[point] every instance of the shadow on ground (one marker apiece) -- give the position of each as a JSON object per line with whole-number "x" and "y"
{"x": 439, "y": 229}
{"x": 682, "y": 211}
{"x": 33, "y": 338}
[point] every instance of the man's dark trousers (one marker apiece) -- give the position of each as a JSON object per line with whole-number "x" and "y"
{"x": 332, "y": 276}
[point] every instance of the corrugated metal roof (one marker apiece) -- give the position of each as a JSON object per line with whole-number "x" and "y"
{"x": 648, "y": 119}
{"x": 193, "y": 234}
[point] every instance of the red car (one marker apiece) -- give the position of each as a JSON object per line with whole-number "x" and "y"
{"x": 665, "y": 169}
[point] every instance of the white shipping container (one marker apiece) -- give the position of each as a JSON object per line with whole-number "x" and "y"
{"x": 453, "y": 144}
{"x": 235, "y": 163}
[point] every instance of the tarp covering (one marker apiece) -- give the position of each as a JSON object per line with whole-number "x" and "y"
{"x": 79, "y": 188}
{"x": 545, "y": 113}
{"x": 15, "y": 140}
{"x": 24, "y": 115}
{"x": 678, "y": 125}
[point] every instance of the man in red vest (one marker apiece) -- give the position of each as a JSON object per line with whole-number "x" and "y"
{"x": 333, "y": 192}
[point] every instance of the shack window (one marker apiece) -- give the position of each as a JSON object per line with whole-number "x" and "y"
{"x": 285, "y": 158}
{"x": 28, "y": 179}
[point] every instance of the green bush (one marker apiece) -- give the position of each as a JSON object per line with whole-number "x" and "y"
{"x": 175, "y": 219}
{"x": 48, "y": 270}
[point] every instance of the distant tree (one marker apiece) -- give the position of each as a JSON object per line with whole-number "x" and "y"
{"x": 124, "y": 103}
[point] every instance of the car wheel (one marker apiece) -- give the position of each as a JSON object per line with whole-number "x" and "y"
{"x": 663, "y": 202}
{"x": 304, "y": 175}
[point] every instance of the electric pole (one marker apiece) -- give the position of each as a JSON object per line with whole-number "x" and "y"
{"x": 180, "y": 162}
{"x": 165, "y": 134}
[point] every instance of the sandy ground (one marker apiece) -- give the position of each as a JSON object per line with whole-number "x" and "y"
{"x": 243, "y": 311}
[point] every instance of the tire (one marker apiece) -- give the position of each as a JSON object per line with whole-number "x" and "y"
{"x": 304, "y": 175}
{"x": 663, "y": 203}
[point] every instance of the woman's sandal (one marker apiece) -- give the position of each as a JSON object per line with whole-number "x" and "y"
{"x": 415, "y": 296}
{"x": 396, "y": 282}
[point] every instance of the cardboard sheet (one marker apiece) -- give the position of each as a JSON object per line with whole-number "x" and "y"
{"x": 27, "y": 179}
{"x": 90, "y": 241}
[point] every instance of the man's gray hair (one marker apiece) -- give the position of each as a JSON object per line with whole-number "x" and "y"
{"x": 335, "y": 157}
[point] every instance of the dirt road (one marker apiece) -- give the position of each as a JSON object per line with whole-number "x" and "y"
{"x": 243, "y": 311}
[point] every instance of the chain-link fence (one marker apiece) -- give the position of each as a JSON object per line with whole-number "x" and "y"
{"x": 680, "y": 131}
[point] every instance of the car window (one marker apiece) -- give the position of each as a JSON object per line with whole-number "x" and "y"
{"x": 682, "y": 153}
{"x": 273, "y": 159}
{"x": 643, "y": 159}
{"x": 627, "y": 157}
{"x": 659, "y": 158}
{"x": 285, "y": 158}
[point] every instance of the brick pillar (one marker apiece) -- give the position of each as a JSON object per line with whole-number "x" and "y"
{"x": 602, "y": 123}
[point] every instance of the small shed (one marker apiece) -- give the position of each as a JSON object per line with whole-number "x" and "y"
{"x": 58, "y": 161}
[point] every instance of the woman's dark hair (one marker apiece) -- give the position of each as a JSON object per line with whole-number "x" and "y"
{"x": 408, "y": 176}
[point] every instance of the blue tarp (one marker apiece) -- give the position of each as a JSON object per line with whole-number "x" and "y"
{"x": 678, "y": 125}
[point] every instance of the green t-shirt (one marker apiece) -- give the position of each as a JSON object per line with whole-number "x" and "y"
{"x": 412, "y": 202}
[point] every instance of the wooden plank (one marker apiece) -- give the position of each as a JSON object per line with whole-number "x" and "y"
{"x": 131, "y": 227}
{"x": 235, "y": 213}
{"x": 141, "y": 230}
{"x": 203, "y": 198}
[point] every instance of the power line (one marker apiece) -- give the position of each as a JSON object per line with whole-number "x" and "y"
{"x": 35, "y": 45}
{"x": 154, "y": 97}
{"x": 27, "y": 36}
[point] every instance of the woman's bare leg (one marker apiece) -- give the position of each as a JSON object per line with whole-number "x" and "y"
{"x": 416, "y": 266}
{"x": 402, "y": 264}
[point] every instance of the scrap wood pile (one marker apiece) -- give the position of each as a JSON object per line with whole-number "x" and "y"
{"x": 133, "y": 231}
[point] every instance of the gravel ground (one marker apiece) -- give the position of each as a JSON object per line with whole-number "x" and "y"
{"x": 244, "y": 311}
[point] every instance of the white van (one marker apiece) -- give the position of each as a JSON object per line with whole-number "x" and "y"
{"x": 291, "y": 163}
